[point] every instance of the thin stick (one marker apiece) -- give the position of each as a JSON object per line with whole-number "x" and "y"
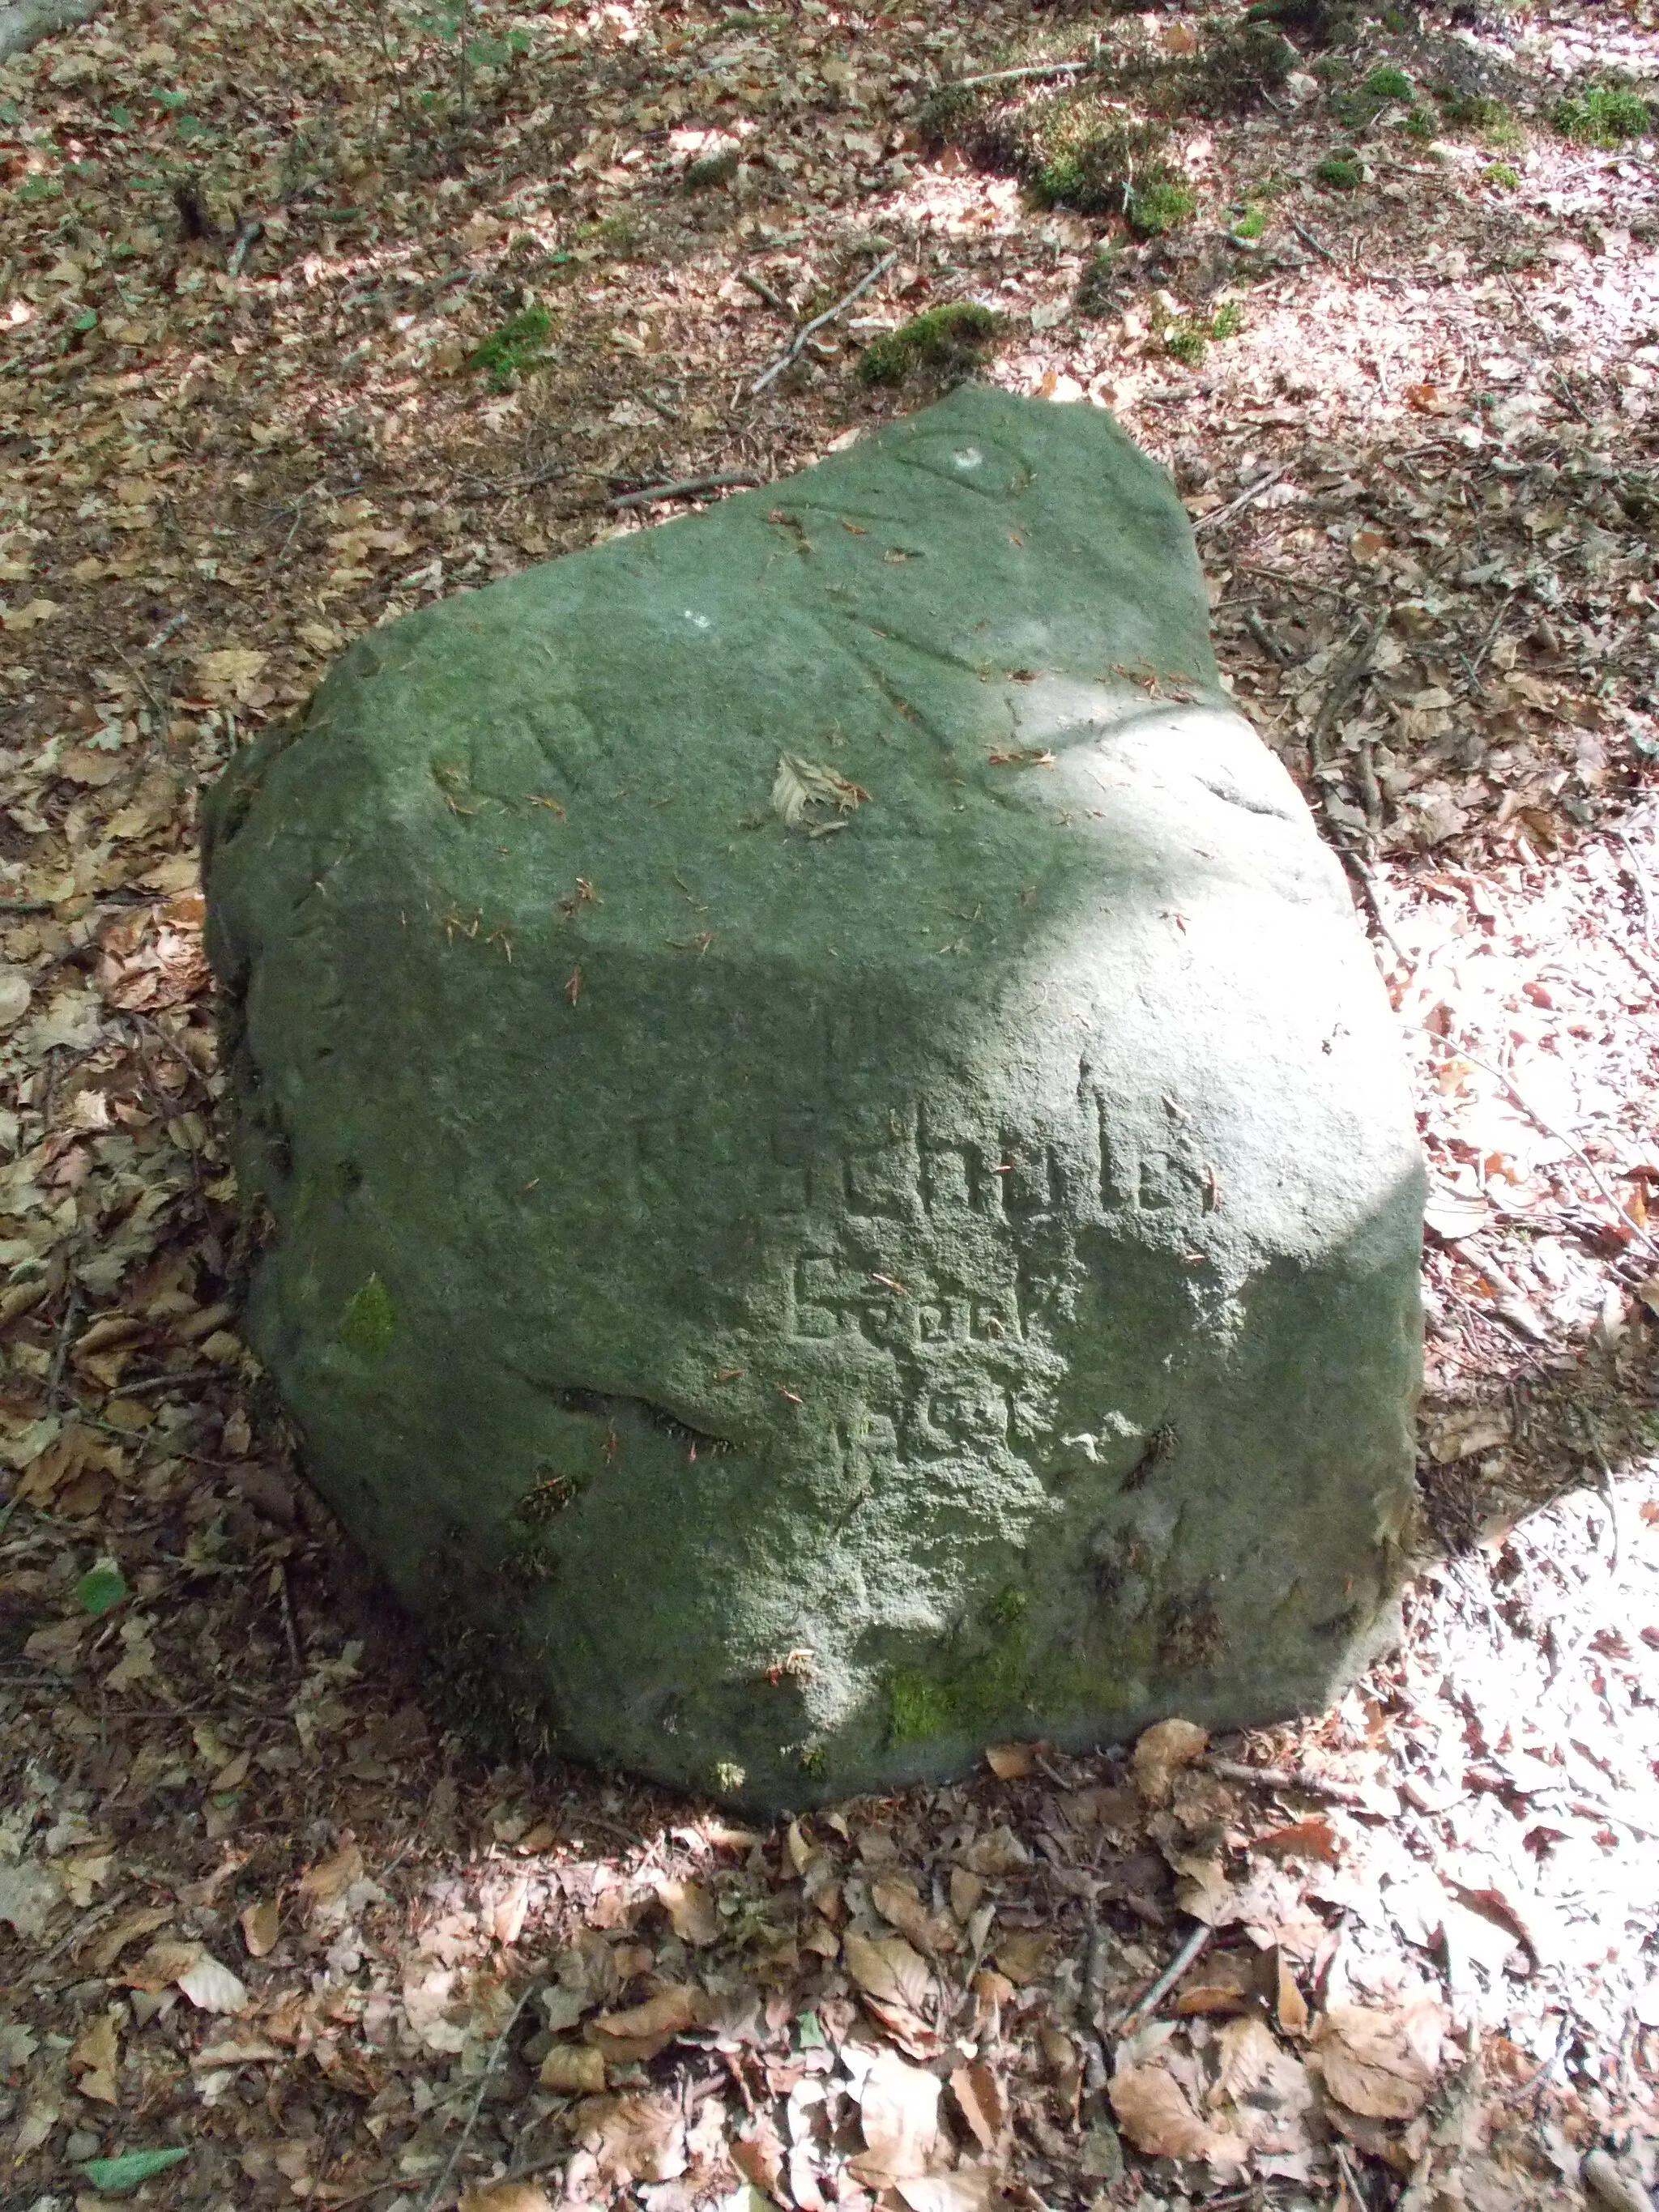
{"x": 1283, "y": 576}
{"x": 1647, "y": 1242}
{"x": 1166, "y": 1981}
{"x": 687, "y": 488}
{"x": 440, "y": 2187}
{"x": 763, "y": 291}
{"x": 1032, "y": 74}
{"x": 1307, "y": 239}
{"x": 797, "y": 344}
{"x": 1345, "y": 684}
{"x": 1282, "y": 1777}
{"x": 1252, "y": 490}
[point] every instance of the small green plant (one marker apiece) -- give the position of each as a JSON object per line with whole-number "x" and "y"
{"x": 1500, "y": 177}
{"x": 729, "y": 1778}
{"x": 1421, "y": 124}
{"x": 1390, "y": 84}
{"x": 1097, "y": 291}
{"x": 1184, "y": 338}
{"x": 718, "y": 168}
{"x": 951, "y": 336}
{"x": 1341, "y": 173}
{"x": 1603, "y": 115}
{"x": 513, "y": 350}
{"x": 1160, "y": 206}
{"x": 1251, "y": 223}
{"x": 100, "y": 1588}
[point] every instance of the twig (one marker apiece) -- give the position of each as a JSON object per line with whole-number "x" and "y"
{"x": 687, "y": 488}
{"x": 1344, "y": 686}
{"x": 1486, "y": 643}
{"x": 1283, "y": 576}
{"x": 1150, "y": 2001}
{"x": 1033, "y": 74}
{"x": 485, "y": 489}
{"x": 1282, "y": 1777}
{"x": 1372, "y": 901}
{"x": 60, "y": 1350}
{"x": 83, "y": 1927}
{"x": 440, "y": 2187}
{"x": 763, "y": 291}
{"x": 1648, "y": 1243}
{"x": 798, "y": 342}
{"x": 1638, "y": 876}
{"x": 26, "y": 906}
{"x": 1307, "y": 239}
{"x": 249, "y": 230}
{"x": 290, "y": 1629}
{"x": 1253, "y": 489}
{"x": 173, "y": 623}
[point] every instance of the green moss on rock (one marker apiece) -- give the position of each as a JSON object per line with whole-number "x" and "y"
{"x": 369, "y": 1324}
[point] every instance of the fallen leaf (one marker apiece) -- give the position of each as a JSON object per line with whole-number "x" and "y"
{"x": 690, "y": 1910}
{"x": 507, "y": 2197}
{"x": 643, "y": 2030}
{"x": 982, "y": 2103}
{"x": 888, "y": 1968}
{"x": 800, "y": 786}
{"x": 572, "y": 2069}
{"x": 261, "y": 1924}
{"x": 968, "y": 2190}
{"x": 1312, "y": 1838}
{"x": 95, "y": 2057}
{"x": 213, "y": 1988}
{"x": 638, "y": 2138}
{"x": 897, "y": 1898}
{"x": 899, "y": 2107}
{"x": 1010, "y": 1762}
{"x": 1155, "y": 2113}
{"x": 1382, "y": 2064}
{"x": 330, "y": 1879}
{"x": 1160, "y": 1754}
{"x": 1022, "y": 1956}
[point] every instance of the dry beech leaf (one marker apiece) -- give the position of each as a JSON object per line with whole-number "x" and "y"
{"x": 161, "y": 1965}
{"x": 633, "y": 2138}
{"x": 758, "y": 2155}
{"x": 213, "y": 1988}
{"x": 330, "y": 1879}
{"x": 800, "y": 786}
{"x": 100, "y": 1954}
{"x": 95, "y": 2058}
{"x": 572, "y": 2069}
{"x": 1313, "y": 1838}
{"x": 1269, "y": 2090}
{"x": 1022, "y": 1956}
{"x": 887, "y": 1967}
{"x": 261, "y": 1925}
{"x": 983, "y": 2104}
{"x": 1381, "y": 2065}
{"x": 645, "y": 2029}
{"x": 899, "y": 2104}
{"x": 999, "y": 1852}
{"x": 969, "y": 2189}
{"x": 690, "y": 1910}
{"x": 1291, "y": 2006}
{"x": 897, "y": 1898}
{"x": 1154, "y": 2111}
{"x": 1010, "y": 1762}
{"x": 1161, "y": 1751}
{"x": 507, "y": 2197}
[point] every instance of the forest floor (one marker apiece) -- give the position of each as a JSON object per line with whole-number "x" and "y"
{"x": 313, "y": 314}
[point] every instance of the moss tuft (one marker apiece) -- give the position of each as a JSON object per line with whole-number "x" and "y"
{"x": 518, "y": 347}
{"x": 952, "y": 337}
{"x": 1341, "y": 173}
{"x": 918, "y": 1709}
{"x": 1159, "y": 207}
{"x": 1604, "y": 115}
{"x": 1499, "y": 177}
{"x": 1390, "y": 84}
{"x": 368, "y": 1325}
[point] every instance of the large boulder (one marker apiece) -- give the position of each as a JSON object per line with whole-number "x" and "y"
{"x": 840, "y": 1187}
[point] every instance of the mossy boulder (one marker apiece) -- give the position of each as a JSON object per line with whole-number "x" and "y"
{"x": 839, "y": 1183}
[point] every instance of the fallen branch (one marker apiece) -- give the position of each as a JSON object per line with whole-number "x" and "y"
{"x": 1358, "y": 869}
{"x": 1035, "y": 73}
{"x": 1282, "y": 1777}
{"x": 797, "y": 344}
{"x": 440, "y": 2187}
{"x": 1253, "y": 489}
{"x": 762, "y": 290}
{"x": 687, "y": 488}
{"x": 1344, "y": 685}
{"x": 26, "y": 23}
{"x": 1149, "y": 2000}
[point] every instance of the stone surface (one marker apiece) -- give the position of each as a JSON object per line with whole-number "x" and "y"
{"x": 816, "y": 1296}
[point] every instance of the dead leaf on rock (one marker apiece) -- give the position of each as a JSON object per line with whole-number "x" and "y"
{"x": 1161, "y": 1751}
{"x": 1382, "y": 2064}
